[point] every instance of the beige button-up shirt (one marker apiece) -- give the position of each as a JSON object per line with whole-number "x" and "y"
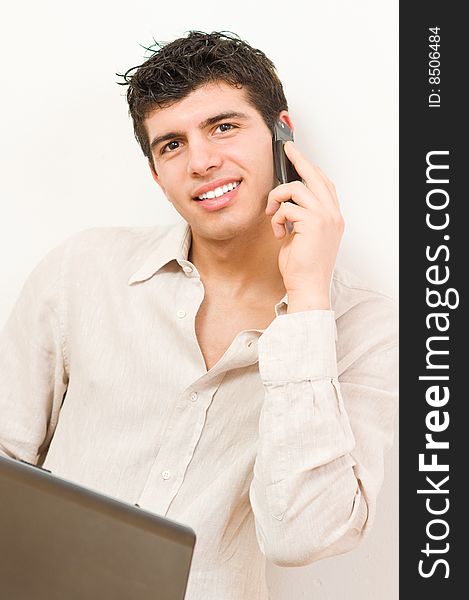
{"x": 274, "y": 453}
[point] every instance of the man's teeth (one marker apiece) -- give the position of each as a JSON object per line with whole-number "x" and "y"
{"x": 219, "y": 191}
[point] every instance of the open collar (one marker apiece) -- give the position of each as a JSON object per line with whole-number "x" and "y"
{"x": 173, "y": 245}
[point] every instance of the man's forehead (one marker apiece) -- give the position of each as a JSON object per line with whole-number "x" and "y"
{"x": 202, "y": 103}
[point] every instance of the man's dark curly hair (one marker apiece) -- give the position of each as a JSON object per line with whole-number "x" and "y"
{"x": 178, "y": 68}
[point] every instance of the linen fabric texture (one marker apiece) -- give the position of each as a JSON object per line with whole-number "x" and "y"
{"x": 275, "y": 453}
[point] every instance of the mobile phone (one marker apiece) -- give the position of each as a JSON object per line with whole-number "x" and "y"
{"x": 284, "y": 169}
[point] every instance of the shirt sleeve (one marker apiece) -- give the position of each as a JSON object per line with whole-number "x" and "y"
{"x": 324, "y": 427}
{"x": 33, "y": 373}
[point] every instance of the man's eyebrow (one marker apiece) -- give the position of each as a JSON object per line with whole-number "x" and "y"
{"x": 210, "y": 121}
{"x": 164, "y": 138}
{"x": 221, "y": 117}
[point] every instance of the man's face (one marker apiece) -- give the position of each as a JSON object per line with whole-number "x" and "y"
{"x": 213, "y": 144}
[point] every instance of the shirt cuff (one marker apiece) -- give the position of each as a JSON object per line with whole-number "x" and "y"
{"x": 299, "y": 346}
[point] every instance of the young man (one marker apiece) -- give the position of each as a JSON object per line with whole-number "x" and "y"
{"x": 219, "y": 371}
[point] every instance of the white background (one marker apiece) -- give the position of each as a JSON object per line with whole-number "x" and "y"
{"x": 69, "y": 160}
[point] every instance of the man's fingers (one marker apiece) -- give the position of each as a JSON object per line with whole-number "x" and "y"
{"x": 295, "y": 191}
{"x": 287, "y": 212}
{"x": 314, "y": 178}
{"x": 301, "y": 196}
{"x": 330, "y": 186}
{"x": 304, "y": 219}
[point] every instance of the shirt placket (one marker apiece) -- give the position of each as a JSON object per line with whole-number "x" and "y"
{"x": 186, "y": 424}
{"x": 181, "y": 438}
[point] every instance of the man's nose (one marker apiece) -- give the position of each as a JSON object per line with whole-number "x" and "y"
{"x": 203, "y": 157}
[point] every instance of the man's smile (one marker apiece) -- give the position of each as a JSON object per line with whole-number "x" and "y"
{"x": 215, "y": 189}
{"x": 218, "y": 197}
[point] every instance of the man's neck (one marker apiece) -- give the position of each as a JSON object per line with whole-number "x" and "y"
{"x": 242, "y": 266}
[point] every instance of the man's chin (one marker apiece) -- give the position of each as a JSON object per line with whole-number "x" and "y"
{"x": 232, "y": 230}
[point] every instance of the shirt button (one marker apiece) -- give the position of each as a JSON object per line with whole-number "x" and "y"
{"x": 194, "y": 396}
{"x": 166, "y": 474}
{"x": 187, "y": 269}
{"x": 181, "y": 314}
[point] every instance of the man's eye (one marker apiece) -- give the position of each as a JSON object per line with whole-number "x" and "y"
{"x": 225, "y": 127}
{"x": 170, "y": 146}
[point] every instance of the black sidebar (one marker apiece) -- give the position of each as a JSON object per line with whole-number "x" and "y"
{"x": 434, "y": 235}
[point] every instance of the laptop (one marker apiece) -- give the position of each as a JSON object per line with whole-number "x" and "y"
{"x": 62, "y": 541}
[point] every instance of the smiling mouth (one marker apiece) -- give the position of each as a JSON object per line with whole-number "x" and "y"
{"x": 218, "y": 192}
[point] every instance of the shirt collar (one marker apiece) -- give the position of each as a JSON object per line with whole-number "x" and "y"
{"x": 173, "y": 245}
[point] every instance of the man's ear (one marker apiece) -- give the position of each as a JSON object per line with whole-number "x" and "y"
{"x": 285, "y": 118}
